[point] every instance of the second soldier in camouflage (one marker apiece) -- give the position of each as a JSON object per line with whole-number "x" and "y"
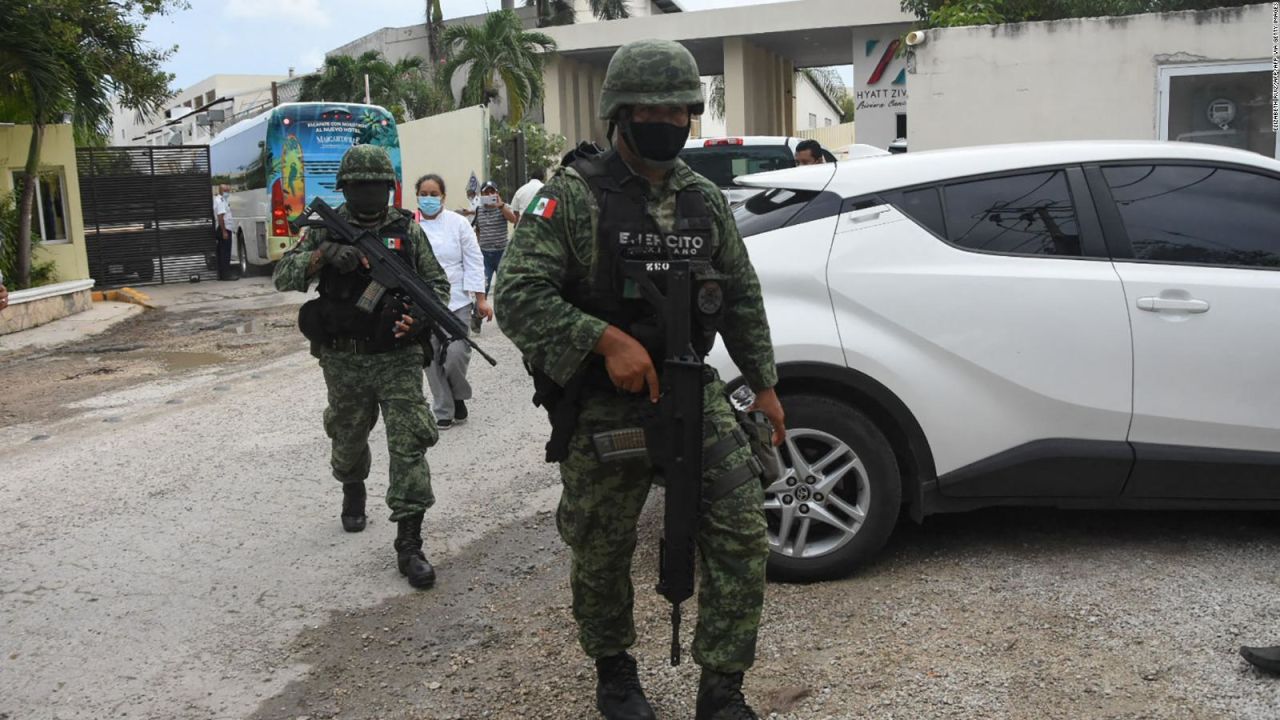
{"x": 372, "y": 361}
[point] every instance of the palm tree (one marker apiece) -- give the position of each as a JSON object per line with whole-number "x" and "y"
{"x": 71, "y": 58}
{"x": 499, "y": 50}
{"x": 407, "y": 87}
{"x": 553, "y": 12}
{"x": 610, "y": 9}
{"x": 435, "y": 26}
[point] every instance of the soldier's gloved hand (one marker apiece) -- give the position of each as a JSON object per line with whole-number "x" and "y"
{"x": 344, "y": 258}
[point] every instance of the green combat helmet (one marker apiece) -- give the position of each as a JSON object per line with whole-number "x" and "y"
{"x": 365, "y": 162}
{"x": 651, "y": 72}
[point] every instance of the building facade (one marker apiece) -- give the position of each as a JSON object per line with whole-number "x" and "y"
{"x": 186, "y": 119}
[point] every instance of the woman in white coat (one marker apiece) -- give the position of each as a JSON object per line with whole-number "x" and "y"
{"x": 454, "y": 243}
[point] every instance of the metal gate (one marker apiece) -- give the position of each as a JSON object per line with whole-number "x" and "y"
{"x": 148, "y": 214}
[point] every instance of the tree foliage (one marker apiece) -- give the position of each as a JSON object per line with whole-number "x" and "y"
{"x": 542, "y": 150}
{"x": 407, "y": 87}
{"x": 610, "y": 9}
{"x": 41, "y": 272}
{"x": 553, "y": 12}
{"x": 499, "y": 50}
{"x": 63, "y": 58}
{"x": 955, "y": 13}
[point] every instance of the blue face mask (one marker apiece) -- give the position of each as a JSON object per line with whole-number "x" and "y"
{"x": 430, "y": 205}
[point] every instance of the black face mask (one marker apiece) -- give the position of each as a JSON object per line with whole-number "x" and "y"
{"x": 366, "y": 200}
{"x": 658, "y": 143}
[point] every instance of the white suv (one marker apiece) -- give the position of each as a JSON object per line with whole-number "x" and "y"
{"x": 1089, "y": 324}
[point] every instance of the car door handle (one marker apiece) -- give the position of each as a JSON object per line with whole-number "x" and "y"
{"x": 1161, "y": 304}
{"x": 860, "y": 216}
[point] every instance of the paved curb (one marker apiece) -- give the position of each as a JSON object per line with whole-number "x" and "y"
{"x": 127, "y": 294}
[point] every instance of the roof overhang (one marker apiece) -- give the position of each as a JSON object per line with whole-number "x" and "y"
{"x": 809, "y": 33}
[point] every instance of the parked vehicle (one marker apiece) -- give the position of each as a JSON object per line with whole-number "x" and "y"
{"x": 1082, "y": 325}
{"x": 723, "y": 159}
{"x": 278, "y": 161}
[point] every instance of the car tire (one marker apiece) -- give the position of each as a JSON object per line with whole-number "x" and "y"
{"x": 860, "y": 477}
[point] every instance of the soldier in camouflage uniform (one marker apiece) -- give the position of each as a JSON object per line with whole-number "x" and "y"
{"x": 372, "y": 361}
{"x": 577, "y": 325}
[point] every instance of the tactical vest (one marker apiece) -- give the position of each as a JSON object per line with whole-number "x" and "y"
{"x": 334, "y": 317}
{"x": 626, "y": 231}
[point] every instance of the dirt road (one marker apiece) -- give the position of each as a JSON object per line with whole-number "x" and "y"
{"x": 173, "y": 551}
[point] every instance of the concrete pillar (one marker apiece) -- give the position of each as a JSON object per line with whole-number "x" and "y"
{"x": 779, "y": 99}
{"x": 581, "y": 99}
{"x": 789, "y": 98}
{"x": 552, "y": 96}
{"x": 735, "y": 86}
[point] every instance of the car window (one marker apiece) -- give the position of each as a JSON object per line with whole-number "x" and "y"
{"x": 722, "y": 163}
{"x": 770, "y": 210}
{"x": 1029, "y": 214}
{"x": 1197, "y": 214}
{"x": 924, "y": 206}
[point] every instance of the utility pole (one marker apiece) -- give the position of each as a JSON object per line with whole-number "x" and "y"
{"x": 366, "y": 89}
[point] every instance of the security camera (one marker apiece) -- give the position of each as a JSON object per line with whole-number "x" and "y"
{"x": 916, "y": 37}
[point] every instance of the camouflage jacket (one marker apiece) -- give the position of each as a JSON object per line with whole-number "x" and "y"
{"x": 555, "y": 245}
{"x": 291, "y": 271}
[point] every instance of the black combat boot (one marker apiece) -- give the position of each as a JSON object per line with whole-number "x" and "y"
{"x": 413, "y": 564}
{"x": 618, "y": 692}
{"x": 720, "y": 697}
{"x": 353, "y": 518}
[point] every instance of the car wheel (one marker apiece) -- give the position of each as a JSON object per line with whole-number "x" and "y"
{"x": 840, "y": 496}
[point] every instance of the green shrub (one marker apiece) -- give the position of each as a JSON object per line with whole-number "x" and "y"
{"x": 42, "y": 273}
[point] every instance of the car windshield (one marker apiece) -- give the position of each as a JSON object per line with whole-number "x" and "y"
{"x": 722, "y": 163}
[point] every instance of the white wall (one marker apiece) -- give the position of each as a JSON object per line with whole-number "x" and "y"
{"x": 809, "y": 101}
{"x": 1065, "y": 80}
{"x": 452, "y": 145}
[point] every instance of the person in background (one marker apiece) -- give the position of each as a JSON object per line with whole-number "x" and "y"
{"x": 491, "y": 226}
{"x": 4, "y": 294}
{"x": 454, "y": 244}
{"x": 520, "y": 201}
{"x": 225, "y": 221}
{"x": 809, "y": 152}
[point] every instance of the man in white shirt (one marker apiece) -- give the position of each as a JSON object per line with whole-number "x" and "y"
{"x": 520, "y": 201}
{"x": 226, "y": 223}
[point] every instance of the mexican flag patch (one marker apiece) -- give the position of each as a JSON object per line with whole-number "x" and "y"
{"x": 393, "y": 243}
{"x": 543, "y": 207}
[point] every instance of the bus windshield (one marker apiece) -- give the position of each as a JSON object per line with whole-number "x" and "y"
{"x": 722, "y": 163}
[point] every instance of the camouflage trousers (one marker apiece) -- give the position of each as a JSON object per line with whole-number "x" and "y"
{"x": 600, "y": 504}
{"x": 359, "y": 387}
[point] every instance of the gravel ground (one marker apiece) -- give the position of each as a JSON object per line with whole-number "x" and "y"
{"x": 173, "y": 553}
{"x": 994, "y": 614}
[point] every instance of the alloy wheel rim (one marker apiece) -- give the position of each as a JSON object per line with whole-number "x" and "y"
{"x": 821, "y": 501}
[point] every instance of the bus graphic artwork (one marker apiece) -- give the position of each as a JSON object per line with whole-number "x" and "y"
{"x": 294, "y": 182}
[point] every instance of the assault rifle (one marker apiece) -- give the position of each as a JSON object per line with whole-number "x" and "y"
{"x": 675, "y": 443}
{"x": 389, "y": 274}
